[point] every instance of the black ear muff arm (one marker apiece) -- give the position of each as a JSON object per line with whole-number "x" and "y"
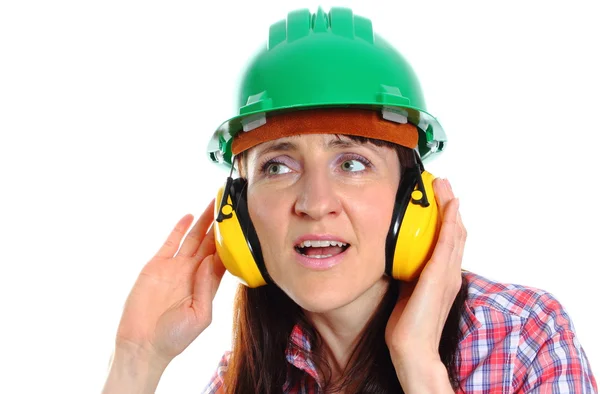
{"x": 225, "y": 209}
{"x": 224, "y": 206}
{"x": 419, "y": 198}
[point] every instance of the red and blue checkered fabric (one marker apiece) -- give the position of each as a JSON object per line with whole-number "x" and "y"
{"x": 515, "y": 339}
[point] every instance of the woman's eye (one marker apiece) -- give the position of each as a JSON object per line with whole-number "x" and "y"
{"x": 277, "y": 168}
{"x": 353, "y": 165}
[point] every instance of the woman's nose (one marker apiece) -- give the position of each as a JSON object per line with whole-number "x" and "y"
{"x": 317, "y": 197}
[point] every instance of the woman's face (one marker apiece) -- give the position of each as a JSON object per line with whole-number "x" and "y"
{"x": 321, "y": 187}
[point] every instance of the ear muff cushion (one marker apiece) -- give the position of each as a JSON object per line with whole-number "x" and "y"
{"x": 407, "y": 184}
{"x": 413, "y": 231}
{"x": 237, "y": 241}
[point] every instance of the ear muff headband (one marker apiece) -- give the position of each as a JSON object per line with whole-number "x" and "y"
{"x": 235, "y": 237}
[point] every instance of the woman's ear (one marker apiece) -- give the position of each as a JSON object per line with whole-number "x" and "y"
{"x": 239, "y": 163}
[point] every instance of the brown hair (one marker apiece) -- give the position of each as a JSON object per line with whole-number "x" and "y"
{"x": 265, "y": 316}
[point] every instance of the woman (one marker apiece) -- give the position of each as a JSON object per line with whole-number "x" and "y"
{"x": 328, "y": 146}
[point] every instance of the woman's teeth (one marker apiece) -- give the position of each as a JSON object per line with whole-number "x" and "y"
{"x": 319, "y": 256}
{"x": 320, "y": 244}
{"x": 309, "y": 248}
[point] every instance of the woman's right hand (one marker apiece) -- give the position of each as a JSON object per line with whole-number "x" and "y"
{"x": 171, "y": 301}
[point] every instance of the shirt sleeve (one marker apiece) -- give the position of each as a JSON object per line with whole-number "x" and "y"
{"x": 551, "y": 357}
{"x": 215, "y": 385}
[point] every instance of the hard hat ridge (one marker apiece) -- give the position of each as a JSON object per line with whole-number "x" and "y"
{"x": 327, "y": 60}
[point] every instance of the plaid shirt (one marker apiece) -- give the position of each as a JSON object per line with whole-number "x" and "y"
{"x": 515, "y": 339}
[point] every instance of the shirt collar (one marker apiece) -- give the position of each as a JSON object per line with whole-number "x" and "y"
{"x": 298, "y": 352}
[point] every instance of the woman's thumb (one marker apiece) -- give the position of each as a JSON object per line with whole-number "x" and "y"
{"x": 208, "y": 277}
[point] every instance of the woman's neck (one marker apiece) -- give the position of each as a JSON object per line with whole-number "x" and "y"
{"x": 340, "y": 329}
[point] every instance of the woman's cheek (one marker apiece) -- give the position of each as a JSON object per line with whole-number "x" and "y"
{"x": 269, "y": 221}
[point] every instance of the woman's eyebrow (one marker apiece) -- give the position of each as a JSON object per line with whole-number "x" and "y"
{"x": 339, "y": 143}
{"x": 277, "y": 147}
{"x": 348, "y": 143}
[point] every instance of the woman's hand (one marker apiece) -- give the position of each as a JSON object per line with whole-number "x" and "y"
{"x": 415, "y": 326}
{"x": 171, "y": 301}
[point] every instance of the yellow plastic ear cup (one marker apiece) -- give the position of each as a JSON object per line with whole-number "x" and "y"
{"x": 232, "y": 246}
{"x": 418, "y": 234}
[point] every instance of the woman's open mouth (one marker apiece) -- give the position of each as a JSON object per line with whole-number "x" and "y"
{"x": 320, "y": 254}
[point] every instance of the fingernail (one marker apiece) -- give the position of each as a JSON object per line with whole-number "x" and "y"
{"x": 448, "y": 184}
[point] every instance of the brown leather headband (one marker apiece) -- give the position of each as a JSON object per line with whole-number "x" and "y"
{"x": 349, "y": 121}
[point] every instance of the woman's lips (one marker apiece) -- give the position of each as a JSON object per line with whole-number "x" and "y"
{"x": 320, "y": 264}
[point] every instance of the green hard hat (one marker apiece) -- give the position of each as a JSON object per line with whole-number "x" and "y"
{"x": 327, "y": 60}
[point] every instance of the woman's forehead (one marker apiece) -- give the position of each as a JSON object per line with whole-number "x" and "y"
{"x": 311, "y": 141}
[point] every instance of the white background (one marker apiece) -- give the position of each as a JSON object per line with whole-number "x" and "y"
{"x": 106, "y": 108}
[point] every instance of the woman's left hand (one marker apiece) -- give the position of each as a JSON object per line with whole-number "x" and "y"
{"x": 415, "y": 326}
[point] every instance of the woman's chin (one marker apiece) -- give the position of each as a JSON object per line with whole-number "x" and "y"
{"x": 323, "y": 302}
{"x": 329, "y": 290}
{"x": 321, "y": 299}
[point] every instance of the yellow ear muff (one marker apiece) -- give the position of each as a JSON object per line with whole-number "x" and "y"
{"x": 232, "y": 245}
{"x": 411, "y": 239}
{"x": 418, "y": 233}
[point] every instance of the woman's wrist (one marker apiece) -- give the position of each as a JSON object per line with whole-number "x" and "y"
{"x": 422, "y": 374}
{"x": 133, "y": 372}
